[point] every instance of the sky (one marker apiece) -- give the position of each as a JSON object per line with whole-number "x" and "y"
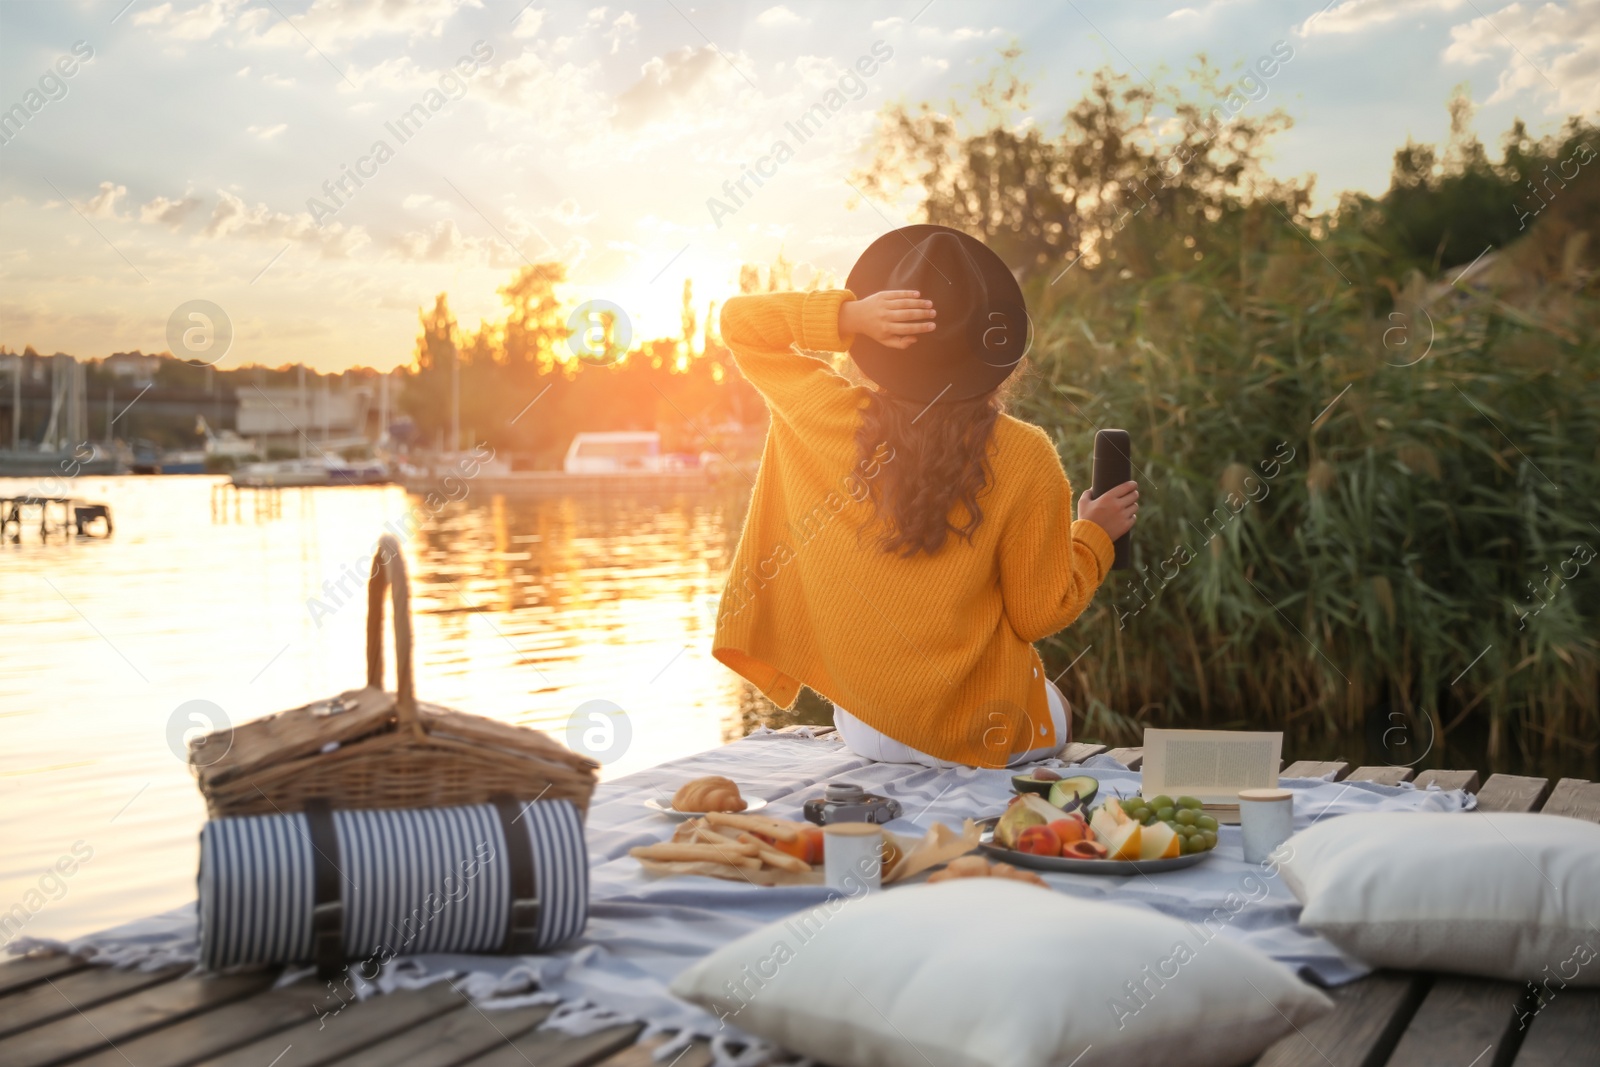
{"x": 257, "y": 154}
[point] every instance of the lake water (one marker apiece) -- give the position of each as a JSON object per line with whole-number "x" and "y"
{"x": 523, "y": 609}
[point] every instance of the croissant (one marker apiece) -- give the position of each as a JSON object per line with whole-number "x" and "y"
{"x": 711, "y": 793}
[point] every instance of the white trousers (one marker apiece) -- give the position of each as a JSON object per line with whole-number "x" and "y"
{"x": 863, "y": 740}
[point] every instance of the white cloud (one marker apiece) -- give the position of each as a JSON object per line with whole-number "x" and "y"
{"x": 528, "y": 23}
{"x": 665, "y": 81}
{"x": 326, "y": 23}
{"x": 1355, "y": 16}
{"x": 624, "y": 28}
{"x": 231, "y": 217}
{"x": 277, "y": 81}
{"x": 780, "y": 16}
{"x": 171, "y": 213}
{"x": 267, "y": 133}
{"x": 443, "y": 243}
{"x": 103, "y": 205}
{"x": 568, "y": 213}
{"x": 196, "y": 23}
{"x": 935, "y": 63}
{"x": 1556, "y": 53}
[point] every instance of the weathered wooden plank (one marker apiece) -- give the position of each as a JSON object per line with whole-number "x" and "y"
{"x": 1566, "y": 1029}
{"x": 1367, "y": 1020}
{"x": 75, "y": 991}
{"x": 1461, "y": 1021}
{"x": 1079, "y": 751}
{"x": 550, "y": 1048}
{"x": 85, "y": 1032}
{"x": 217, "y": 1031}
{"x": 329, "y": 1037}
{"x": 453, "y": 1038}
{"x": 21, "y": 973}
{"x": 1510, "y": 792}
{"x": 1316, "y": 769}
{"x": 697, "y": 1054}
{"x": 1130, "y": 758}
{"x": 1576, "y": 798}
{"x": 1382, "y": 775}
{"x": 1467, "y": 780}
{"x": 1565, "y": 1032}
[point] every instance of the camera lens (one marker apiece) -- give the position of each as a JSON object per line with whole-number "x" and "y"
{"x": 844, "y": 793}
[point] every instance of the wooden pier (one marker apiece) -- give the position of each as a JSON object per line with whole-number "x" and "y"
{"x": 60, "y": 1010}
{"x": 68, "y": 511}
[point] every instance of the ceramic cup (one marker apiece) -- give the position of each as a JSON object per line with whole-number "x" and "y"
{"x": 1266, "y": 818}
{"x": 852, "y": 857}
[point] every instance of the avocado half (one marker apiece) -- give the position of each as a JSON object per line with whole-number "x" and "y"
{"x": 1027, "y": 783}
{"x": 1073, "y": 794}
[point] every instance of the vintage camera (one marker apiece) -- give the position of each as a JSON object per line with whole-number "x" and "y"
{"x": 844, "y": 802}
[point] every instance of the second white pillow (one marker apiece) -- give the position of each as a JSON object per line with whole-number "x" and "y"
{"x": 1503, "y": 895}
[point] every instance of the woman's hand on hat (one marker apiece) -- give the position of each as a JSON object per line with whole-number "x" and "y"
{"x": 892, "y": 317}
{"x": 1114, "y": 511}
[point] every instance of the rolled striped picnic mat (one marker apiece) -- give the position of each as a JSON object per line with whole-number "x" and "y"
{"x": 331, "y": 886}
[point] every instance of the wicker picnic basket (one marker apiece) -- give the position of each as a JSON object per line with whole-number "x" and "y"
{"x": 367, "y": 748}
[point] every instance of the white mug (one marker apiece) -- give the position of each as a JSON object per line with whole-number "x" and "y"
{"x": 1266, "y": 818}
{"x": 852, "y": 857}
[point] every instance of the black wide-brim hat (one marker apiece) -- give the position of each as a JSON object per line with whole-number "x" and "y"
{"x": 980, "y": 334}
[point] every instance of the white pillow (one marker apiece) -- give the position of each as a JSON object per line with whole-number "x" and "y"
{"x": 1514, "y": 896}
{"x": 989, "y": 972}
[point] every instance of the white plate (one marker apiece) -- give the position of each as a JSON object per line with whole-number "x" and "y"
{"x": 750, "y": 804}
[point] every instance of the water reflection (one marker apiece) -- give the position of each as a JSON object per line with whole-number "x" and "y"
{"x": 523, "y": 608}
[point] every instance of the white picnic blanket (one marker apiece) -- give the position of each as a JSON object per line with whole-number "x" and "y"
{"x": 644, "y": 930}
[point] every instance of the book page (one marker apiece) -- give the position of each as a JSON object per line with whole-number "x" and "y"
{"x": 1210, "y": 764}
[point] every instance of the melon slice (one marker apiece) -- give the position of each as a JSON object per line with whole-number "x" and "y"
{"x": 1158, "y": 842}
{"x": 1107, "y": 820}
{"x": 1125, "y": 842}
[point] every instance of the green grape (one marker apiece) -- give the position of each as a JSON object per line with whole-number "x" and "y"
{"x": 1210, "y": 838}
{"x": 1166, "y": 814}
{"x": 1206, "y": 822}
{"x": 1185, "y": 831}
{"x": 1162, "y": 801}
{"x": 1141, "y": 813}
{"x": 1130, "y": 804}
{"x": 1194, "y": 844}
{"x": 1186, "y": 818}
{"x": 1191, "y": 802}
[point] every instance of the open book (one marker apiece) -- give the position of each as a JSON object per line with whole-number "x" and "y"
{"x": 1210, "y": 764}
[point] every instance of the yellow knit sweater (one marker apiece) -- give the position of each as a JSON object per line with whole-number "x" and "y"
{"x": 933, "y": 651}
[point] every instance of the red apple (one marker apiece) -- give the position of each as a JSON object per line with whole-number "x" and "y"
{"x": 1039, "y": 840}
{"x": 1070, "y": 829}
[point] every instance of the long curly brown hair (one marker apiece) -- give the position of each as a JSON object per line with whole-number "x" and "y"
{"x": 941, "y": 459}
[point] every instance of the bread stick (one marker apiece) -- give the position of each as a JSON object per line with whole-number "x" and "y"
{"x": 775, "y": 828}
{"x": 730, "y": 855}
{"x": 773, "y": 858}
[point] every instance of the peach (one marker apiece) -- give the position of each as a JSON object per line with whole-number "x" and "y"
{"x": 1084, "y": 850}
{"x": 1039, "y": 840}
{"x": 1070, "y": 829}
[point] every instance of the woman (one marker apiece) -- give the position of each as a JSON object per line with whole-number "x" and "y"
{"x": 907, "y": 543}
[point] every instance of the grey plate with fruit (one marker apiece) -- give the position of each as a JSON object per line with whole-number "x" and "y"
{"x": 1122, "y": 868}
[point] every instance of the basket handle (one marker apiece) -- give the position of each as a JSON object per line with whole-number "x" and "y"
{"x": 389, "y": 575}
